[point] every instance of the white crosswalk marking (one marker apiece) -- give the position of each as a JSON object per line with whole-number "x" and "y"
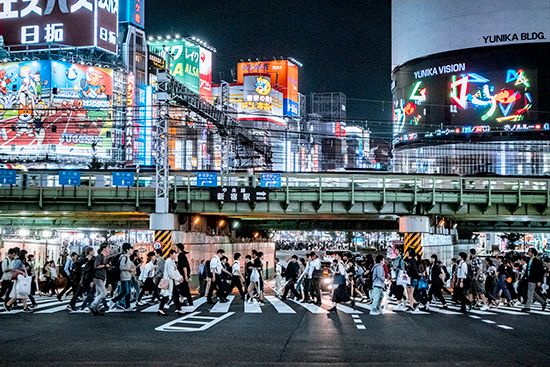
{"x": 311, "y": 307}
{"x": 252, "y": 307}
{"x": 343, "y": 308}
{"x": 223, "y": 307}
{"x": 53, "y": 310}
{"x": 444, "y": 311}
{"x": 279, "y": 305}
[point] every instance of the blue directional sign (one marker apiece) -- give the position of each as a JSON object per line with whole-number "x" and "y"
{"x": 207, "y": 179}
{"x": 69, "y": 178}
{"x": 123, "y": 178}
{"x": 7, "y": 177}
{"x": 270, "y": 180}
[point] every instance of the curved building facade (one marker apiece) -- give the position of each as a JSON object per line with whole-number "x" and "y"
{"x": 471, "y": 87}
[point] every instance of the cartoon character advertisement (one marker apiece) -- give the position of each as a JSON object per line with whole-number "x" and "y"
{"x": 55, "y": 106}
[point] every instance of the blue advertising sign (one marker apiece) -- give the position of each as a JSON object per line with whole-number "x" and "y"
{"x": 123, "y": 178}
{"x": 270, "y": 180}
{"x": 69, "y": 178}
{"x": 207, "y": 179}
{"x": 132, "y": 11}
{"x": 7, "y": 177}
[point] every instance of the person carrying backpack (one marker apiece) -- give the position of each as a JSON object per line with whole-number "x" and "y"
{"x": 463, "y": 281}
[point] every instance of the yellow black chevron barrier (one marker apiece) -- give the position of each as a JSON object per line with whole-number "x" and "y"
{"x": 414, "y": 241}
{"x": 164, "y": 238}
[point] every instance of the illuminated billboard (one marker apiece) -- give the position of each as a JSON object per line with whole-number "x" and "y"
{"x": 472, "y": 94}
{"x": 205, "y": 73}
{"x": 35, "y": 24}
{"x": 55, "y": 110}
{"x": 284, "y": 77}
{"x": 133, "y": 12}
{"x": 184, "y": 61}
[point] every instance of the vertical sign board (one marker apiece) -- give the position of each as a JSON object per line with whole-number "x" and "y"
{"x": 207, "y": 179}
{"x": 122, "y": 178}
{"x": 270, "y": 180}
{"x": 8, "y": 177}
{"x": 133, "y": 11}
{"x": 34, "y": 24}
{"x": 69, "y": 178}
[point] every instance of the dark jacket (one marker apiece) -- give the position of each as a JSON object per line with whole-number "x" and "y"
{"x": 292, "y": 270}
{"x": 535, "y": 272}
{"x": 436, "y": 274}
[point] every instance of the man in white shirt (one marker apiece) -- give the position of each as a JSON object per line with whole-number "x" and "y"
{"x": 278, "y": 277}
{"x": 462, "y": 281}
{"x": 307, "y": 279}
{"x": 237, "y": 279}
{"x": 315, "y": 273}
{"x": 216, "y": 270}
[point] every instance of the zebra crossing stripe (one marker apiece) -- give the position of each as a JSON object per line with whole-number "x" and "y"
{"x": 279, "y": 305}
{"x": 223, "y": 307}
{"x": 342, "y": 308}
{"x": 252, "y": 307}
{"x": 191, "y": 323}
{"x": 311, "y": 307}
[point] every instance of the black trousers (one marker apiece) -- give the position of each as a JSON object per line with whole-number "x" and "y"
{"x": 149, "y": 285}
{"x": 436, "y": 290}
{"x": 307, "y": 287}
{"x": 315, "y": 289}
{"x": 69, "y": 285}
{"x": 236, "y": 282}
{"x": 6, "y": 288}
{"x": 291, "y": 286}
{"x": 218, "y": 285}
{"x": 184, "y": 290}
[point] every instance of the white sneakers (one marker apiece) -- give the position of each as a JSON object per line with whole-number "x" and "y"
{"x": 374, "y": 313}
{"x": 400, "y": 307}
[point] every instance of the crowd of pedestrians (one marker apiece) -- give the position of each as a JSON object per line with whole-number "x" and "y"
{"x": 105, "y": 282}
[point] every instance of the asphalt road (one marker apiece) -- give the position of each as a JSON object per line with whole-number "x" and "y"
{"x": 273, "y": 338}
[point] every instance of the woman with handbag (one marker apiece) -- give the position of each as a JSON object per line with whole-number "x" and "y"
{"x": 22, "y": 283}
{"x": 339, "y": 291}
{"x": 147, "y": 278}
{"x": 168, "y": 283}
{"x": 502, "y": 277}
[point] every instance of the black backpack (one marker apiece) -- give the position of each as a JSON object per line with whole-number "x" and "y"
{"x": 283, "y": 271}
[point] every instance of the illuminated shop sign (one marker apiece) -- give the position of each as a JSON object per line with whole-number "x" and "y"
{"x": 75, "y": 23}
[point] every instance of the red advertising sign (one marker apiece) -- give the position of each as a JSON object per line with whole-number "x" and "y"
{"x": 36, "y": 24}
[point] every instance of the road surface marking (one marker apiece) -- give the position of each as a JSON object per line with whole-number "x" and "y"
{"x": 505, "y": 327}
{"x": 191, "y": 323}
{"x": 223, "y": 307}
{"x": 311, "y": 307}
{"x": 279, "y": 305}
{"x": 252, "y": 307}
{"x": 343, "y": 308}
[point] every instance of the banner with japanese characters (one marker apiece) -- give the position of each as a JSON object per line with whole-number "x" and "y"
{"x": 39, "y": 24}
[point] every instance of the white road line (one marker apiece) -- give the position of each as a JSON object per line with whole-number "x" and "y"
{"x": 252, "y": 307}
{"x": 475, "y": 317}
{"x": 361, "y": 327}
{"x": 343, "y": 308}
{"x": 53, "y": 310}
{"x": 223, "y": 307}
{"x": 489, "y": 321}
{"x": 508, "y": 312}
{"x": 477, "y": 312}
{"x": 311, "y": 307}
{"x": 39, "y": 307}
{"x": 187, "y": 320}
{"x": 355, "y": 316}
{"x": 444, "y": 311}
{"x": 357, "y": 321}
{"x": 505, "y": 327}
{"x": 279, "y": 305}
{"x": 196, "y": 304}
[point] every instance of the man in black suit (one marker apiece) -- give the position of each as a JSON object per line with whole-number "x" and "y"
{"x": 291, "y": 275}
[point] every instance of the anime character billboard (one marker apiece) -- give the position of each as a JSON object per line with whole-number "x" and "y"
{"x": 55, "y": 106}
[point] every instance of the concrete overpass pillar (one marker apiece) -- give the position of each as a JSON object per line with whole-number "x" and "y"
{"x": 413, "y": 228}
{"x": 163, "y": 224}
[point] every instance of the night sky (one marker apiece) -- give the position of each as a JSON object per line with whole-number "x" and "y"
{"x": 344, "y": 45}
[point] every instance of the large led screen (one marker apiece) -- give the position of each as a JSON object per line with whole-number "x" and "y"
{"x": 55, "y": 111}
{"x": 459, "y": 97}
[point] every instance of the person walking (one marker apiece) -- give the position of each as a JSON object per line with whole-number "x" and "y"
{"x": 21, "y": 285}
{"x": 412, "y": 271}
{"x": 534, "y": 278}
{"x": 278, "y": 276}
{"x": 79, "y": 276}
{"x": 216, "y": 271}
{"x": 101, "y": 265}
{"x": 316, "y": 275}
{"x": 399, "y": 282}
{"x": 126, "y": 267}
{"x": 185, "y": 270}
{"x": 339, "y": 291}
{"x": 437, "y": 281}
{"x": 463, "y": 281}
{"x": 169, "y": 283}
{"x": 291, "y": 275}
{"x": 256, "y": 279}
{"x": 7, "y": 267}
{"x": 237, "y": 279}
{"x": 30, "y": 266}
{"x": 67, "y": 272}
{"x": 378, "y": 285}
{"x": 306, "y": 276}
{"x": 147, "y": 278}
{"x": 477, "y": 283}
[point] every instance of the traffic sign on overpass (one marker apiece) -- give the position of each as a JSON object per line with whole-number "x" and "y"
{"x": 69, "y": 178}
